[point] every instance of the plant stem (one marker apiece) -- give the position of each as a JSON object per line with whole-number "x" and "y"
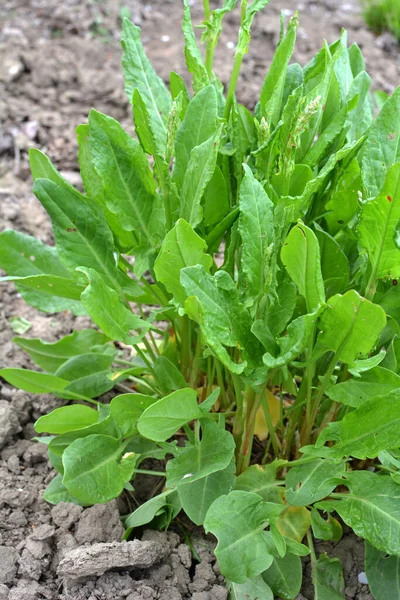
{"x": 313, "y": 556}
{"x": 186, "y": 349}
{"x": 274, "y": 438}
{"x": 235, "y": 71}
{"x": 148, "y": 472}
{"x": 195, "y": 363}
{"x": 207, "y": 10}
{"x": 251, "y": 405}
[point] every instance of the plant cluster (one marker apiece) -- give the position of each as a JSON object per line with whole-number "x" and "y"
{"x": 242, "y": 268}
{"x": 381, "y": 15}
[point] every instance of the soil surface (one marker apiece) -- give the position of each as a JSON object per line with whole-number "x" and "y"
{"x": 57, "y": 60}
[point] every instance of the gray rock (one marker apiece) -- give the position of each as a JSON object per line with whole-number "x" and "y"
{"x": 3, "y": 592}
{"x": 8, "y": 564}
{"x": 100, "y": 523}
{"x": 9, "y": 423}
{"x": 65, "y": 514}
{"x": 26, "y": 590}
{"x": 99, "y": 558}
{"x": 219, "y": 592}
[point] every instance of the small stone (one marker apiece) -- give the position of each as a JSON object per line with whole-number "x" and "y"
{"x": 9, "y": 423}
{"x": 17, "y": 518}
{"x": 43, "y": 532}
{"x": 362, "y": 578}
{"x": 100, "y": 523}
{"x": 8, "y": 564}
{"x": 219, "y": 592}
{"x": 3, "y": 592}
{"x": 66, "y": 514}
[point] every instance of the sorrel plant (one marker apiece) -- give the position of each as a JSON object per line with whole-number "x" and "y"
{"x": 242, "y": 270}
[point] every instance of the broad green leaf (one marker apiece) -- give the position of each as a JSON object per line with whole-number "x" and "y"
{"x": 301, "y": 257}
{"x": 129, "y": 185}
{"x": 126, "y": 410}
{"x": 383, "y": 573}
{"x": 40, "y": 383}
{"x": 256, "y": 231}
{"x": 371, "y": 509}
{"x": 169, "y": 377}
{"x": 253, "y": 589}
{"x": 284, "y": 576}
{"x": 213, "y": 302}
{"x": 66, "y": 418}
{"x": 293, "y": 522}
{"x": 343, "y": 199}
{"x": 150, "y": 510}
{"x": 379, "y": 227}
{"x": 104, "y": 306}
{"x": 51, "y": 355}
{"x": 357, "y": 391}
{"x": 42, "y": 168}
{"x": 200, "y": 169}
{"x": 328, "y": 579}
{"x": 82, "y": 235}
{"x": 48, "y": 284}
{"x": 96, "y": 468}
{"x": 200, "y": 124}
{"x": 182, "y": 247}
{"x": 329, "y": 530}
{"x": 56, "y": 492}
{"x": 366, "y": 364}
{"x": 343, "y": 326}
{"x": 197, "y": 497}
{"x": 216, "y": 200}
{"x": 178, "y": 86}
{"x": 273, "y": 86}
{"x": 139, "y": 73}
{"x": 334, "y": 264}
{"x": 294, "y": 342}
{"x": 194, "y": 60}
{"x": 214, "y": 452}
{"x": 24, "y": 256}
{"x": 363, "y": 433}
{"x": 262, "y": 481}
{"x": 312, "y": 481}
{"x": 382, "y": 148}
{"x": 89, "y": 374}
{"x": 361, "y": 118}
{"x": 161, "y": 420}
{"x": 238, "y": 520}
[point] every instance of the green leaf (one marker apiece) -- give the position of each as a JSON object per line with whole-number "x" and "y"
{"x": 169, "y": 377}
{"x": 56, "y": 492}
{"x": 238, "y": 521}
{"x": 256, "y": 230}
{"x": 284, "y": 576}
{"x": 379, "y": 227}
{"x": 104, "y": 306}
{"x": 149, "y": 511}
{"x": 371, "y": 509}
{"x": 40, "y": 383}
{"x": 193, "y": 56}
{"x": 200, "y": 169}
{"x": 329, "y": 530}
{"x": 253, "y": 589}
{"x": 261, "y": 481}
{"x": 383, "y": 573}
{"x": 334, "y": 264}
{"x": 177, "y": 85}
{"x": 128, "y": 183}
{"x": 343, "y": 199}
{"x": 89, "y": 374}
{"x": 42, "y": 168}
{"x": 126, "y": 409}
{"x": 214, "y": 211}
{"x": 363, "y": 433}
{"x": 139, "y": 73}
{"x": 343, "y": 328}
{"x": 51, "y": 355}
{"x": 182, "y": 247}
{"x": 357, "y": 391}
{"x": 95, "y": 470}
{"x": 312, "y": 481}
{"x": 382, "y": 148}
{"x": 213, "y": 302}
{"x": 199, "y": 125}
{"x": 328, "y": 579}
{"x": 214, "y": 452}
{"x": 197, "y": 497}
{"x": 161, "y": 420}
{"x": 293, "y": 523}
{"x": 48, "y": 284}
{"x": 66, "y": 418}
{"x": 301, "y": 257}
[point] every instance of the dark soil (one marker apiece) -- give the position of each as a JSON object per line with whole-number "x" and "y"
{"x": 57, "y": 60}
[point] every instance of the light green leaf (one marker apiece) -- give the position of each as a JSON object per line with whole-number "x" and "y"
{"x": 216, "y": 200}
{"x": 343, "y": 199}
{"x": 214, "y": 452}
{"x": 104, "y": 306}
{"x": 177, "y": 85}
{"x": 371, "y": 509}
{"x": 312, "y": 481}
{"x": 89, "y": 374}
{"x": 56, "y": 492}
{"x": 383, "y": 573}
{"x": 39, "y": 383}
{"x": 238, "y": 520}
{"x": 169, "y": 377}
{"x": 261, "y": 481}
{"x": 256, "y": 230}
{"x": 67, "y": 418}
{"x": 42, "y": 168}
{"x": 197, "y": 497}
{"x": 161, "y": 420}
{"x": 194, "y": 60}
{"x": 382, "y": 148}
{"x": 379, "y": 227}
{"x": 139, "y": 73}
{"x": 95, "y": 469}
{"x": 293, "y": 523}
{"x": 254, "y": 589}
{"x": 328, "y": 579}
{"x": 182, "y": 247}
{"x": 48, "y": 284}
{"x": 343, "y": 328}
{"x": 329, "y": 530}
{"x": 357, "y": 391}
{"x": 150, "y": 510}
{"x": 284, "y": 576}
{"x": 213, "y": 303}
{"x": 334, "y": 264}
{"x": 301, "y": 257}
{"x": 126, "y": 410}
{"x": 363, "y": 433}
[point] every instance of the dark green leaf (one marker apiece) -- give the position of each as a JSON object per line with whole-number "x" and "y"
{"x": 147, "y": 512}
{"x": 312, "y": 481}
{"x": 168, "y": 376}
{"x": 253, "y": 589}
{"x": 355, "y": 392}
{"x": 383, "y": 573}
{"x": 262, "y": 481}
{"x": 328, "y": 579}
{"x": 193, "y": 56}
{"x": 89, "y": 374}
{"x": 284, "y": 576}
{"x": 329, "y": 530}
{"x": 39, "y": 383}
{"x": 56, "y": 492}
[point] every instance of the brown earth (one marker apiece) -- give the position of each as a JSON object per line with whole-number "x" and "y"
{"x": 57, "y": 60}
